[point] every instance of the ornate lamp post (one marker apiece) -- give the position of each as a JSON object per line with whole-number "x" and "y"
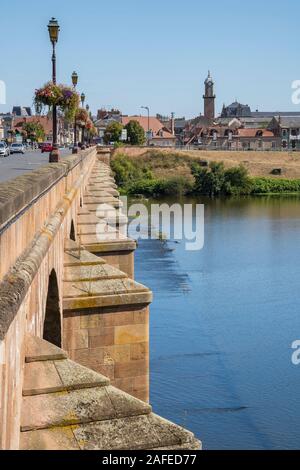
{"x": 74, "y": 82}
{"x": 82, "y": 98}
{"x": 53, "y": 28}
{"x": 88, "y": 132}
{"x": 148, "y": 133}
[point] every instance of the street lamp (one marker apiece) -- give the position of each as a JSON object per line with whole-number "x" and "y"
{"x": 74, "y": 79}
{"x": 74, "y": 82}
{"x": 82, "y": 98}
{"x": 53, "y": 28}
{"x": 148, "y": 133}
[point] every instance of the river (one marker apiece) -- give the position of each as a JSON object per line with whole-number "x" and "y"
{"x": 223, "y": 321}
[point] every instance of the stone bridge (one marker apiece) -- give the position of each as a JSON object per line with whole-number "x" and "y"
{"x": 74, "y": 324}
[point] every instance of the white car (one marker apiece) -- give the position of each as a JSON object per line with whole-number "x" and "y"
{"x": 17, "y": 148}
{"x": 4, "y": 150}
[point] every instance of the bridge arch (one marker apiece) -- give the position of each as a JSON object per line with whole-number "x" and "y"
{"x": 52, "y": 322}
{"x": 72, "y": 231}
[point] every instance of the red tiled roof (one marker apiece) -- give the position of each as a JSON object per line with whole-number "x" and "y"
{"x": 43, "y": 120}
{"x": 254, "y": 133}
{"x": 164, "y": 135}
{"x": 158, "y": 129}
{"x": 154, "y": 124}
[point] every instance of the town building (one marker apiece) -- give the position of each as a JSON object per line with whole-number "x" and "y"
{"x": 238, "y": 128}
{"x": 236, "y": 110}
{"x": 23, "y": 111}
{"x": 46, "y": 122}
{"x": 287, "y": 130}
{"x": 158, "y": 134}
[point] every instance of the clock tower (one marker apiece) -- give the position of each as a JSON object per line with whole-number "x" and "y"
{"x": 209, "y": 99}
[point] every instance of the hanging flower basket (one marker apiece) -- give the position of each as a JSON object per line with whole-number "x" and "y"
{"x": 82, "y": 117}
{"x": 89, "y": 125}
{"x": 62, "y": 96}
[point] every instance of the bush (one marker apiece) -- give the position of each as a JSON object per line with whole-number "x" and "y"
{"x": 273, "y": 185}
{"x": 136, "y": 179}
{"x": 160, "y": 187}
{"x": 209, "y": 181}
{"x": 237, "y": 181}
{"x": 126, "y": 171}
{"x": 216, "y": 180}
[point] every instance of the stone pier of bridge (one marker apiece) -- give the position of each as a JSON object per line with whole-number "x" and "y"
{"x": 74, "y": 323}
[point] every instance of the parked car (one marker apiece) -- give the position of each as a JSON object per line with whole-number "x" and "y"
{"x": 46, "y": 147}
{"x": 4, "y": 150}
{"x": 17, "y": 148}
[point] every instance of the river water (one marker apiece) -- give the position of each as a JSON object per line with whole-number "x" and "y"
{"x": 223, "y": 321}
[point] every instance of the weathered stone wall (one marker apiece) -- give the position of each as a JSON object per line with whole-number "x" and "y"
{"x": 36, "y": 213}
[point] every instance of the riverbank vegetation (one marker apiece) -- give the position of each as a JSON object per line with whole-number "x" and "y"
{"x": 157, "y": 174}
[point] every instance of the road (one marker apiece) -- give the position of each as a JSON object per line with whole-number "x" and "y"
{"x": 18, "y": 164}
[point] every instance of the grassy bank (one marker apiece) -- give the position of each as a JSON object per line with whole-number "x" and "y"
{"x": 158, "y": 174}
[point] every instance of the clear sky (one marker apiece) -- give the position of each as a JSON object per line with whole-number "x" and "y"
{"x": 130, "y": 53}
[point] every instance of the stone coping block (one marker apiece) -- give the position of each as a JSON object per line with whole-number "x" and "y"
{"x": 59, "y": 376}
{"x": 93, "y": 201}
{"x": 102, "y": 191}
{"x": 92, "y": 273}
{"x": 91, "y": 415}
{"x": 103, "y": 287}
{"x": 79, "y": 406}
{"x": 34, "y": 352}
{"x": 97, "y": 285}
{"x": 111, "y": 214}
{"x": 81, "y": 258}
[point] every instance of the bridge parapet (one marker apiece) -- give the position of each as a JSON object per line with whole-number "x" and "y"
{"x": 37, "y": 211}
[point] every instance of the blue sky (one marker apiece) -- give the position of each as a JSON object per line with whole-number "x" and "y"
{"x": 157, "y": 53}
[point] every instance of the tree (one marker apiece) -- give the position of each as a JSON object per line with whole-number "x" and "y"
{"x": 113, "y": 132}
{"x": 237, "y": 181}
{"x": 135, "y": 133}
{"x": 216, "y": 180}
{"x": 34, "y": 131}
{"x": 209, "y": 181}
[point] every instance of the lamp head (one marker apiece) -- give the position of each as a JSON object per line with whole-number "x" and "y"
{"x": 74, "y": 79}
{"x": 53, "y": 28}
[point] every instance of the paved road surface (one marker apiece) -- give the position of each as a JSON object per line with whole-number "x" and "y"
{"x": 18, "y": 164}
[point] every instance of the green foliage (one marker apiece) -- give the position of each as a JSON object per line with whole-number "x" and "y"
{"x": 274, "y": 185}
{"x": 209, "y": 181}
{"x": 215, "y": 180}
{"x": 126, "y": 171}
{"x": 34, "y": 131}
{"x": 113, "y": 132}
{"x": 135, "y": 133}
{"x": 117, "y": 145}
{"x": 175, "y": 186}
{"x": 237, "y": 181}
{"x": 136, "y": 179}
